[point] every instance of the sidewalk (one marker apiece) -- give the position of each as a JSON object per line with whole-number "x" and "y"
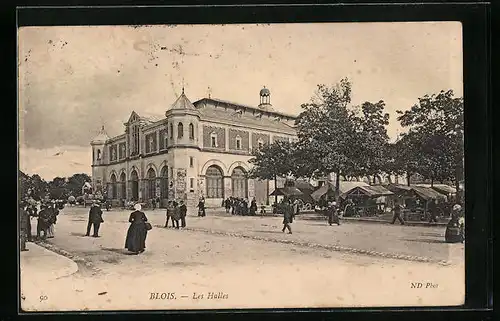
{"x": 41, "y": 264}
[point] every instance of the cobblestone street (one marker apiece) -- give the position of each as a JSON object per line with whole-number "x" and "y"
{"x": 250, "y": 260}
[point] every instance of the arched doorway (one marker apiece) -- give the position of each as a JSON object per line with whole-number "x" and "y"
{"x": 214, "y": 182}
{"x": 134, "y": 186}
{"x": 239, "y": 183}
{"x": 150, "y": 184}
{"x": 113, "y": 187}
{"x": 123, "y": 187}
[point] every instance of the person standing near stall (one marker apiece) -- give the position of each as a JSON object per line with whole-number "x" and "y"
{"x": 398, "y": 209}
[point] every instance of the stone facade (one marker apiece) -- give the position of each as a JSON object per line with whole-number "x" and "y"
{"x": 194, "y": 150}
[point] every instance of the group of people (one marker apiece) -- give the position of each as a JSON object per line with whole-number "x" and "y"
{"x": 240, "y": 206}
{"x": 176, "y": 211}
{"x": 46, "y": 219}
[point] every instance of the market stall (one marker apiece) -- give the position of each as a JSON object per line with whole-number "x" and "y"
{"x": 366, "y": 200}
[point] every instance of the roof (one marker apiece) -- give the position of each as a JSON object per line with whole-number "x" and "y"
{"x": 101, "y": 137}
{"x": 286, "y": 191}
{"x": 257, "y": 109}
{"x": 265, "y": 92}
{"x": 371, "y": 191}
{"x": 344, "y": 186}
{"x": 304, "y": 185}
{"x": 441, "y": 188}
{"x": 218, "y": 113}
{"x": 183, "y": 103}
{"x": 151, "y": 118}
{"x": 427, "y": 193}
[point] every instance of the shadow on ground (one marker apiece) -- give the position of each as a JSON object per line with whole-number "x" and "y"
{"x": 426, "y": 241}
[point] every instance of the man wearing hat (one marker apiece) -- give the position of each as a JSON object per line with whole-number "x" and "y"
{"x": 183, "y": 212}
{"x": 95, "y": 219}
{"x": 332, "y": 213}
{"x": 23, "y": 225}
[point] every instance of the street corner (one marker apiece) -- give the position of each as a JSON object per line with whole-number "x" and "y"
{"x": 41, "y": 263}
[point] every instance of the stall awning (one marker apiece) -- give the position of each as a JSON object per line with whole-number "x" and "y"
{"x": 370, "y": 191}
{"x": 286, "y": 191}
{"x": 428, "y": 193}
{"x": 440, "y": 188}
{"x": 344, "y": 186}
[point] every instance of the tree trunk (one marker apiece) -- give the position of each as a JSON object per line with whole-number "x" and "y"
{"x": 374, "y": 179}
{"x": 408, "y": 175}
{"x": 275, "y": 188}
{"x": 337, "y": 186}
{"x": 432, "y": 182}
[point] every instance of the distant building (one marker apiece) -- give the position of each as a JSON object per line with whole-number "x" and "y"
{"x": 193, "y": 150}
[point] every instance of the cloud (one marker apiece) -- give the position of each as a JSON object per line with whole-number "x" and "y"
{"x": 53, "y": 162}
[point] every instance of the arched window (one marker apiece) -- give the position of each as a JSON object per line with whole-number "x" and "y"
{"x": 213, "y": 140}
{"x": 180, "y": 130}
{"x": 164, "y": 182}
{"x": 191, "y": 131}
{"x": 98, "y": 154}
{"x": 151, "y": 186}
{"x": 239, "y": 182}
{"x": 238, "y": 142}
{"x": 134, "y": 186}
{"x": 171, "y": 131}
{"x": 215, "y": 182}
{"x": 123, "y": 179}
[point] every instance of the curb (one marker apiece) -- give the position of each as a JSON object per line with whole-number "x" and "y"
{"x": 329, "y": 247}
{"x": 348, "y": 219}
{"x": 80, "y": 261}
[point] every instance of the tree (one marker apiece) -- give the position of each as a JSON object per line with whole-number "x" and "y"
{"x": 404, "y": 156}
{"x": 326, "y": 130}
{"x": 438, "y": 120}
{"x": 370, "y": 139}
{"x": 57, "y": 188}
{"x": 75, "y": 184}
{"x": 273, "y": 160}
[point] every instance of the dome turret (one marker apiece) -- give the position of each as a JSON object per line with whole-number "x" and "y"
{"x": 101, "y": 138}
{"x": 265, "y": 99}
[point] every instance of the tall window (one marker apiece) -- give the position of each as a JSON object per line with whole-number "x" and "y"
{"x": 191, "y": 183}
{"x": 239, "y": 182}
{"x": 135, "y": 140}
{"x": 180, "y": 130}
{"x": 191, "y": 161}
{"x": 191, "y": 131}
{"x": 213, "y": 140}
{"x": 98, "y": 154}
{"x": 171, "y": 131}
{"x": 151, "y": 184}
{"x": 113, "y": 187}
{"x": 214, "y": 182}
{"x": 238, "y": 142}
{"x": 151, "y": 144}
{"x": 164, "y": 182}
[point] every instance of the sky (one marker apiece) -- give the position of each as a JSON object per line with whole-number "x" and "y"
{"x": 73, "y": 80}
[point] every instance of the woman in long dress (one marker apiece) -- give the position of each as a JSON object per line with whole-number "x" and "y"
{"x": 136, "y": 235}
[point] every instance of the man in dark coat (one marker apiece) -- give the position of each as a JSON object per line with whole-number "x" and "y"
{"x": 23, "y": 225}
{"x": 183, "y": 210}
{"x": 433, "y": 211}
{"x": 43, "y": 224}
{"x": 95, "y": 219}
{"x": 287, "y": 216}
{"x": 398, "y": 209}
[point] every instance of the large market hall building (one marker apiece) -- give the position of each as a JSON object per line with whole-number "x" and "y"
{"x": 193, "y": 150}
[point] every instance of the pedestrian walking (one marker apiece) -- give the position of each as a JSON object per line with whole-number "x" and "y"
{"x": 332, "y": 212}
{"x": 170, "y": 210}
{"x": 398, "y": 209}
{"x": 95, "y": 219}
{"x": 176, "y": 215}
{"x": 24, "y": 218}
{"x": 153, "y": 201}
{"x": 287, "y": 217}
{"x": 227, "y": 205}
{"x": 201, "y": 207}
{"x": 183, "y": 210}
{"x": 137, "y": 231}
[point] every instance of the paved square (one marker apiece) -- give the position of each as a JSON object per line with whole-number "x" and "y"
{"x": 223, "y": 261}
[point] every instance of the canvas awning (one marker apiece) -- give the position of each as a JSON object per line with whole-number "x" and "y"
{"x": 440, "y": 188}
{"x": 428, "y": 193}
{"x": 286, "y": 191}
{"x": 370, "y": 191}
{"x": 344, "y": 186}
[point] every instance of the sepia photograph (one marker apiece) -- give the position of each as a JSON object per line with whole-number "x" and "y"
{"x": 241, "y": 166}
